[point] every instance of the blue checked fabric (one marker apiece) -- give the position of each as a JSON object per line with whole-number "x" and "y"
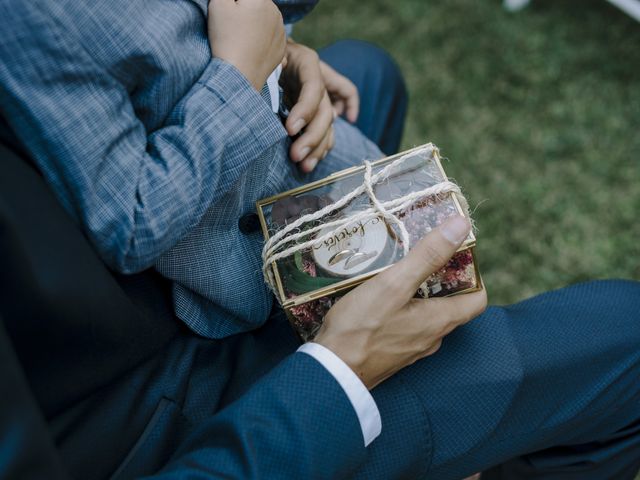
{"x": 155, "y": 148}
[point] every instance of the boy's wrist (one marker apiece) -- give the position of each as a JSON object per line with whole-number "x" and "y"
{"x": 255, "y": 78}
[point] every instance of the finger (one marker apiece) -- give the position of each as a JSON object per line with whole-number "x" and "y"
{"x": 347, "y": 91}
{"x": 338, "y": 106}
{"x": 436, "y": 318}
{"x": 428, "y": 256}
{"x": 341, "y": 89}
{"x": 309, "y": 99}
{"x": 332, "y": 141}
{"x": 353, "y": 106}
{"x": 432, "y": 348}
{"x": 309, "y": 163}
{"x": 314, "y": 133}
{"x": 306, "y": 107}
{"x": 446, "y": 314}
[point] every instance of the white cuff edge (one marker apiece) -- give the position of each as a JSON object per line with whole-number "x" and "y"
{"x": 360, "y": 398}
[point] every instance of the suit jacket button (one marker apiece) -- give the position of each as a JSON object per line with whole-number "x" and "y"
{"x": 249, "y": 223}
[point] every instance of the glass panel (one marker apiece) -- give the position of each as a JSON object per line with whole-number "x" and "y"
{"x": 358, "y": 247}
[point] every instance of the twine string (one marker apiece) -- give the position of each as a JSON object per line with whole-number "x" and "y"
{"x": 380, "y": 208}
{"x": 276, "y": 247}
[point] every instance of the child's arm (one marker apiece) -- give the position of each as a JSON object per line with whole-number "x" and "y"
{"x": 248, "y": 34}
{"x": 136, "y": 192}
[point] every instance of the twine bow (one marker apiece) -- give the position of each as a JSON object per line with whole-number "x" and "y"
{"x": 276, "y": 247}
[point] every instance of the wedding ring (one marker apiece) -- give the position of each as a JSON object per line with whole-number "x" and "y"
{"x": 352, "y": 250}
{"x": 342, "y": 255}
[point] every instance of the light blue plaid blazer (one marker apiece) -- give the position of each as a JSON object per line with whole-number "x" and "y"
{"x": 155, "y": 148}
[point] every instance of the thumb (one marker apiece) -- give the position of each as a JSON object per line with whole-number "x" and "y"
{"x": 429, "y": 255}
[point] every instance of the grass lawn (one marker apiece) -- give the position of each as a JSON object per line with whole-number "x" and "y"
{"x": 539, "y": 114}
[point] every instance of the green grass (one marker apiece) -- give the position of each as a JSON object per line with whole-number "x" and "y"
{"x": 539, "y": 114}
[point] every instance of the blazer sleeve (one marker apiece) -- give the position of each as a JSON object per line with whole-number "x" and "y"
{"x": 296, "y": 422}
{"x": 135, "y": 192}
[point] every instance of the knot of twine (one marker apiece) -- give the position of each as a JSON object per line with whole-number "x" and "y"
{"x": 276, "y": 247}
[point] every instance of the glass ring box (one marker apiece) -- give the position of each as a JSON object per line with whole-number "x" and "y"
{"x": 331, "y": 237}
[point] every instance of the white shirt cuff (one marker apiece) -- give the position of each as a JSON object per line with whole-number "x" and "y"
{"x": 274, "y": 88}
{"x": 362, "y": 401}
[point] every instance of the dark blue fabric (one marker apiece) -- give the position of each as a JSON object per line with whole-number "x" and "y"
{"x": 294, "y": 10}
{"x": 383, "y": 95}
{"x": 155, "y": 148}
{"x": 558, "y": 374}
{"x": 26, "y": 448}
{"x": 59, "y": 301}
{"x": 81, "y": 344}
{"x": 235, "y": 408}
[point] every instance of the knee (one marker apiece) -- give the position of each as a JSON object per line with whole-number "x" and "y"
{"x": 607, "y": 308}
{"x": 377, "y": 64}
{"x": 384, "y": 67}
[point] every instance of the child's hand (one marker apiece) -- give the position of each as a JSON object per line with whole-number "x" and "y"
{"x": 312, "y": 114}
{"x": 380, "y": 328}
{"x": 342, "y": 92}
{"x": 249, "y": 34}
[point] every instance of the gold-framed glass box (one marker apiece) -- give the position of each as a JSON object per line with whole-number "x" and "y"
{"x": 311, "y": 280}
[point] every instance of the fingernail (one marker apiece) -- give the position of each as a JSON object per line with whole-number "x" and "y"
{"x": 304, "y": 152}
{"x": 455, "y": 229}
{"x": 298, "y": 125}
{"x": 311, "y": 164}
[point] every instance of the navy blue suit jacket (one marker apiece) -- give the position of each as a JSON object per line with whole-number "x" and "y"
{"x": 100, "y": 380}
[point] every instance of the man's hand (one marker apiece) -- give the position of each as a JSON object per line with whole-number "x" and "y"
{"x": 312, "y": 111}
{"x": 249, "y": 34}
{"x": 342, "y": 92}
{"x": 380, "y": 328}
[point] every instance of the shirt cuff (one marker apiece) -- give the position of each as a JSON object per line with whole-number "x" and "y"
{"x": 243, "y": 102}
{"x": 360, "y": 398}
